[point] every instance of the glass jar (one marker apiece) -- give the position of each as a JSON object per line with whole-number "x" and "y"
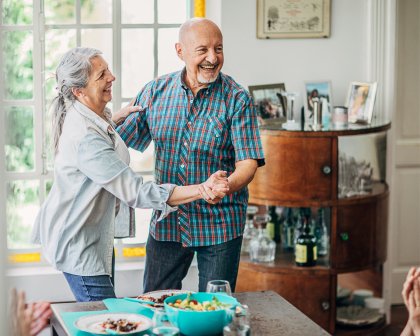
{"x": 250, "y": 231}
{"x": 262, "y": 248}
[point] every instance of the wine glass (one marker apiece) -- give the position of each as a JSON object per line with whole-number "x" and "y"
{"x": 165, "y": 323}
{"x": 219, "y": 286}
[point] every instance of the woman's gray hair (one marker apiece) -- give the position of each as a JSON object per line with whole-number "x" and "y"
{"x": 73, "y": 71}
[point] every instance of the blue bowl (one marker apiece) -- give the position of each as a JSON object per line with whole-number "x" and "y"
{"x": 201, "y": 323}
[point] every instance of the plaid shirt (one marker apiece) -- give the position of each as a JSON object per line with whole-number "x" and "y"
{"x": 194, "y": 137}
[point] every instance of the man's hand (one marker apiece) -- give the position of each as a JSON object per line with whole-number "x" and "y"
{"x": 215, "y": 188}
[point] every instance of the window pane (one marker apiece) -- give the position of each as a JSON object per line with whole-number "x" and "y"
{"x": 18, "y": 12}
{"x": 59, "y": 12}
{"x": 57, "y": 42}
{"x": 137, "y": 60}
{"x": 20, "y": 142}
{"x": 172, "y": 11}
{"x": 48, "y": 185}
{"x": 96, "y": 11}
{"x": 135, "y": 11}
{"x": 142, "y": 162}
{"x": 18, "y": 70}
{"x": 143, "y": 217}
{"x": 100, "y": 39}
{"x": 21, "y": 209}
{"x": 168, "y": 61}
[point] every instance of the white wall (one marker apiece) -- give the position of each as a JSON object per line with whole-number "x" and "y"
{"x": 341, "y": 58}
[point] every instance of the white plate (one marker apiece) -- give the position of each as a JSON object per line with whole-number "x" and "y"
{"x": 357, "y": 316}
{"x": 158, "y": 294}
{"x": 92, "y": 323}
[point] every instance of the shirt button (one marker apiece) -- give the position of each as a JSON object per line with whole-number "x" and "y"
{"x": 191, "y": 101}
{"x": 182, "y": 166}
{"x": 189, "y": 123}
{"x": 185, "y": 144}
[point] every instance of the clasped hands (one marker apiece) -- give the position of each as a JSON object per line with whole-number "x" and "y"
{"x": 411, "y": 296}
{"x": 215, "y": 188}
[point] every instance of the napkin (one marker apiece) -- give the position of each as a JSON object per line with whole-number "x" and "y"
{"x": 125, "y": 306}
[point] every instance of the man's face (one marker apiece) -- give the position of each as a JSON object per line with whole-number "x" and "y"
{"x": 201, "y": 49}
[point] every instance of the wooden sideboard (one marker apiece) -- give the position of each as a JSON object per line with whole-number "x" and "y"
{"x": 302, "y": 171}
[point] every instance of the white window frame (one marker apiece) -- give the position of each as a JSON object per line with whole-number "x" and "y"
{"x": 38, "y": 102}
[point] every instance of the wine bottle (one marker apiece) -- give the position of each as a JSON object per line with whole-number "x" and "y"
{"x": 306, "y": 249}
{"x": 321, "y": 234}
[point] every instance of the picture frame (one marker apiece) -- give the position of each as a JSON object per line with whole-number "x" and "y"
{"x": 361, "y": 101}
{"x": 322, "y": 90}
{"x": 293, "y": 18}
{"x": 269, "y": 101}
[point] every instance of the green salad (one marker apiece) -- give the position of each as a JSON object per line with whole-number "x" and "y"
{"x": 190, "y": 304}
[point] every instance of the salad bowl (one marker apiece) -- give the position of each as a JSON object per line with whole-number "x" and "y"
{"x": 201, "y": 314}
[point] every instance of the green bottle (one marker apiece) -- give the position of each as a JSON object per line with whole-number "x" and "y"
{"x": 306, "y": 249}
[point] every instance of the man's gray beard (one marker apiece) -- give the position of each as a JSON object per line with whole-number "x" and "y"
{"x": 201, "y": 80}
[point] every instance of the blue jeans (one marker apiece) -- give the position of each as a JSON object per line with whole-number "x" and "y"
{"x": 167, "y": 264}
{"x": 92, "y": 288}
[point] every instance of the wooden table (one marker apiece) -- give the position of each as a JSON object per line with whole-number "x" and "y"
{"x": 270, "y": 314}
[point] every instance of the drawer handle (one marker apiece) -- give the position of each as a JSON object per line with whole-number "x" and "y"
{"x": 326, "y": 170}
{"x": 344, "y": 236}
{"x": 325, "y": 305}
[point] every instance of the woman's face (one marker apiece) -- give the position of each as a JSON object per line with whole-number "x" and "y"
{"x": 98, "y": 91}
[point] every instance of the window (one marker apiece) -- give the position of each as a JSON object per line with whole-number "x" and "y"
{"x": 137, "y": 39}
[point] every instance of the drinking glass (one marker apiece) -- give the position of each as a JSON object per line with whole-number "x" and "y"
{"x": 165, "y": 323}
{"x": 219, "y": 286}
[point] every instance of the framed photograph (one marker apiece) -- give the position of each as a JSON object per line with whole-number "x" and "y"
{"x": 269, "y": 101}
{"x": 321, "y": 90}
{"x": 293, "y": 18}
{"x": 360, "y": 102}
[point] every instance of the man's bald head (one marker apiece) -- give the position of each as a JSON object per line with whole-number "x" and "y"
{"x": 196, "y": 24}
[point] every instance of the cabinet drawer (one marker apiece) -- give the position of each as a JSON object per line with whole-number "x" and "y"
{"x": 297, "y": 169}
{"x": 310, "y": 293}
{"x": 361, "y": 234}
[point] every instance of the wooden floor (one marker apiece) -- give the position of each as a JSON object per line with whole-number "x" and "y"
{"x": 399, "y": 317}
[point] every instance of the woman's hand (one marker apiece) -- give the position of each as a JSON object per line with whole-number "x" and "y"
{"x": 41, "y": 316}
{"x": 122, "y": 114}
{"x": 28, "y": 319}
{"x": 414, "y": 307}
{"x": 412, "y": 274}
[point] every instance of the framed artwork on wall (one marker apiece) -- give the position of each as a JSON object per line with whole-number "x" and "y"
{"x": 360, "y": 102}
{"x": 269, "y": 101}
{"x": 293, "y": 18}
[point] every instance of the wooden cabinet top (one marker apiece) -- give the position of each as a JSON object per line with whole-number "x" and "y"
{"x": 279, "y": 129}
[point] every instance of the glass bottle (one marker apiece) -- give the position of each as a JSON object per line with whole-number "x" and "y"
{"x": 278, "y": 228}
{"x": 288, "y": 230}
{"x": 261, "y": 247}
{"x": 250, "y": 231}
{"x": 306, "y": 249}
{"x": 321, "y": 234}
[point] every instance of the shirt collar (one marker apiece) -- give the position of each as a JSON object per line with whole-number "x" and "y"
{"x": 208, "y": 88}
{"x": 93, "y": 117}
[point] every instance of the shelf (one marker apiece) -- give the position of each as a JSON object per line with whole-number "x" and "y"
{"x": 376, "y": 329}
{"x": 379, "y": 190}
{"x": 276, "y": 129}
{"x": 285, "y": 263}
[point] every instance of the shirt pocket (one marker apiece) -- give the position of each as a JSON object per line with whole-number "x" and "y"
{"x": 209, "y": 135}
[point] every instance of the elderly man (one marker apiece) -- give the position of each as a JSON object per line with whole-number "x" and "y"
{"x": 201, "y": 120}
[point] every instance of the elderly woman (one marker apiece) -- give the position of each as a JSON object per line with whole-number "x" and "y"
{"x": 94, "y": 187}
